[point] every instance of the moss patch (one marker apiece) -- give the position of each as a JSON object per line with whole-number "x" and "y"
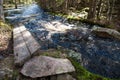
{"x": 53, "y": 53}
{"x": 5, "y": 26}
{"x": 82, "y": 74}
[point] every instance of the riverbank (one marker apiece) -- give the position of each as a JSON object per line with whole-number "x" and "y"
{"x": 76, "y": 18}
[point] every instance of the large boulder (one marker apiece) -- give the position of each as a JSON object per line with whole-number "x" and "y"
{"x": 106, "y": 33}
{"x": 42, "y": 66}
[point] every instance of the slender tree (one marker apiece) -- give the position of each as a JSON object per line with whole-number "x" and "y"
{"x": 1, "y": 10}
{"x": 15, "y": 4}
{"x": 92, "y": 9}
{"x": 99, "y": 9}
{"x": 111, "y": 9}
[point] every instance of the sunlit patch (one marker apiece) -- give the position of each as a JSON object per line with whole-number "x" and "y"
{"x": 32, "y": 9}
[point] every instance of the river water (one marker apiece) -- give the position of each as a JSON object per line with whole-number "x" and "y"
{"x": 98, "y": 55}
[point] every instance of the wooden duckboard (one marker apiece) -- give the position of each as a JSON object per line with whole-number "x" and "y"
{"x": 25, "y": 44}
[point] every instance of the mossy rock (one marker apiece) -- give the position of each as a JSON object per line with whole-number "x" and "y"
{"x": 5, "y": 26}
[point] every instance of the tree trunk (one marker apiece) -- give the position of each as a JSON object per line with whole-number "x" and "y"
{"x": 92, "y": 9}
{"x": 19, "y": 1}
{"x": 99, "y": 9}
{"x": 111, "y": 9}
{"x": 15, "y": 4}
{"x": 1, "y": 10}
{"x": 66, "y": 5}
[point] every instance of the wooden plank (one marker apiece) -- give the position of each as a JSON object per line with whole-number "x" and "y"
{"x": 22, "y": 27}
{"x": 21, "y": 52}
{"x": 31, "y": 43}
{"x": 24, "y": 44}
{"x": 16, "y": 30}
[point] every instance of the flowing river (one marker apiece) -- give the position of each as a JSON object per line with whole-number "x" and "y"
{"x": 98, "y": 55}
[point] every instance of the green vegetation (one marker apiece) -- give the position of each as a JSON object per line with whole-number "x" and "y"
{"x": 52, "y": 53}
{"x": 56, "y": 53}
{"x": 82, "y": 74}
{"x": 59, "y": 2}
{"x": 5, "y": 26}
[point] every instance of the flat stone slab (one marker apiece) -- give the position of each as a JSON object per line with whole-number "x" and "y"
{"x": 42, "y": 66}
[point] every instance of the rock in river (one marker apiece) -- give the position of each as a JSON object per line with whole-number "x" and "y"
{"x": 42, "y": 66}
{"x": 105, "y": 32}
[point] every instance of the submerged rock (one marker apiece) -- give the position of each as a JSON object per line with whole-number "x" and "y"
{"x": 46, "y": 66}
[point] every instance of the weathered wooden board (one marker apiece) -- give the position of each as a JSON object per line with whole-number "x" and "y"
{"x": 22, "y": 27}
{"x": 24, "y": 44}
{"x": 16, "y": 30}
{"x": 21, "y": 53}
{"x": 30, "y": 41}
